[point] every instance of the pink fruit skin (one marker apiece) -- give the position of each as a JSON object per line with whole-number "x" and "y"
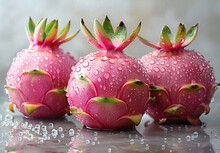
{"x": 38, "y": 76}
{"x": 107, "y": 76}
{"x": 40, "y": 89}
{"x": 173, "y": 73}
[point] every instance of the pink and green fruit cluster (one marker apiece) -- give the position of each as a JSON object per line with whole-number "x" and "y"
{"x": 108, "y": 89}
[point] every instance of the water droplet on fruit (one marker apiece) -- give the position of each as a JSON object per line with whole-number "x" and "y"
{"x": 126, "y": 60}
{"x": 162, "y": 69}
{"x": 156, "y": 69}
{"x": 104, "y": 58}
{"x": 46, "y": 58}
{"x": 99, "y": 79}
{"x": 186, "y": 65}
{"x": 78, "y": 69}
{"x": 119, "y": 68}
{"x": 96, "y": 72}
{"x": 81, "y": 60}
{"x": 122, "y": 63}
{"x": 111, "y": 61}
{"x": 175, "y": 62}
{"x": 200, "y": 67}
{"x": 92, "y": 58}
{"x": 152, "y": 62}
{"x": 58, "y": 71}
{"x": 106, "y": 75}
{"x": 85, "y": 64}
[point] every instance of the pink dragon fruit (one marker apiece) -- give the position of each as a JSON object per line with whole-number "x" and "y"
{"x": 107, "y": 89}
{"x": 38, "y": 76}
{"x": 182, "y": 81}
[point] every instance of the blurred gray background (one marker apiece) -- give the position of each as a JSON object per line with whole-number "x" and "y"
{"x": 153, "y": 14}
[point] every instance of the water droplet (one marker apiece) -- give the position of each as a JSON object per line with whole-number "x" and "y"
{"x": 119, "y": 68}
{"x": 106, "y": 75}
{"x": 179, "y": 140}
{"x": 111, "y": 61}
{"x": 132, "y": 141}
{"x": 165, "y": 140}
{"x": 163, "y": 147}
{"x": 175, "y": 62}
{"x": 85, "y": 64}
{"x": 91, "y": 58}
{"x": 147, "y": 147}
{"x": 162, "y": 69}
{"x": 58, "y": 71}
{"x": 54, "y": 132}
{"x": 195, "y": 135}
{"x": 156, "y": 69}
{"x": 126, "y": 59}
{"x": 186, "y": 65}
{"x": 104, "y": 58}
{"x": 71, "y": 132}
{"x": 96, "y": 72}
{"x": 78, "y": 69}
{"x": 87, "y": 141}
{"x": 188, "y": 138}
{"x": 99, "y": 79}
{"x": 81, "y": 60}
{"x": 152, "y": 62}
{"x": 46, "y": 58}
{"x": 200, "y": 67}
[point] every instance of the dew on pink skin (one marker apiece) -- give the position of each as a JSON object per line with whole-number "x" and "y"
{"x": 119, "y": 68}
{"x": 106, "y": 75}
{"x": 200, "y": 67}
{"x": 135, "y": 66}
{"x": 99, "y": 79}
{"x": 96, "y": 72}
{"x": 92, "y": 58}
{"x": 111, "y": 61}
{"x": 152, "y": 62}
{"x": 104, "y": 58}
{"x": 85, "y": 64}
{"x": 186, "y": 65}
{"x": 162, "y": 69}
{"x": 156, "y": 69}
{"x": 57, "y": 70}
{"x": 126, "y": 60}
{"x": 78, "y": 69}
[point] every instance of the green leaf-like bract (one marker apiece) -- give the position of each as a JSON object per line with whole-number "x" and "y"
{"x": 43, "y": 34}
{"x": 106, "y": 38}
{"x": 181, "y": 39}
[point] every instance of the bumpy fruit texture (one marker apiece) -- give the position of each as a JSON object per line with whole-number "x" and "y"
{"x": 107, "y": 89}
{"x": 182, "y": 81}
{"x": 38, "y": 76}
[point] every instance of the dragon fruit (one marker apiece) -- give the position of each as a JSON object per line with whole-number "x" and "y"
{"x": 38, "y": 76}
{"x": 107, "y": 89}
{"x": 182, "y": 81}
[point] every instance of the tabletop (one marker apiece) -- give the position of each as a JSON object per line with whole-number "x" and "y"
{"x": 67, "y": 135}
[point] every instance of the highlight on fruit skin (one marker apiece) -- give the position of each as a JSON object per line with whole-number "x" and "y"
{"x": 107, "y": 89}
{"x": 182, "y": 81}
{"x": 38, "y": 75}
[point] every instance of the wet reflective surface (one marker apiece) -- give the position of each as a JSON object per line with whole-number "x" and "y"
{"x": 67, "y": 135}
